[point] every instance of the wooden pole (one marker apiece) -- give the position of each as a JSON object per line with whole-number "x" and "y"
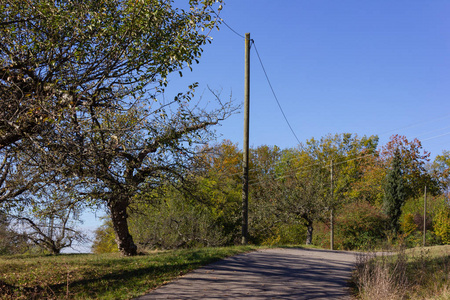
{"x": 246, "y": 141}
{"x": 332, "y": 206}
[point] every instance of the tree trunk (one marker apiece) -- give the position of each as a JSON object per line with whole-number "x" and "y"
{"x": 309, "y": 232}
{"x": 56, "y": 250}
{"x": 119, "y": 217}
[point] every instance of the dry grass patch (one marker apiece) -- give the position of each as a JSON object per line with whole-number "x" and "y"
{"x": 420, "y": 273}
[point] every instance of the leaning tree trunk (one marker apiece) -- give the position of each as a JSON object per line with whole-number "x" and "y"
{"x": 118, "y": 210}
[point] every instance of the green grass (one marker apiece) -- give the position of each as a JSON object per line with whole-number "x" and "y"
{"x": 100, "y": 276}
{"x": 304, "y": 246}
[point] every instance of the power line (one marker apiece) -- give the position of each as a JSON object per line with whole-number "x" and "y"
{"x": 275, "y": 96}
{"x": 432, "y": 131}
{"x": 434, "y": 137}
{"x": 265, "y": 73}
{"x": 415, "y": 124}
{"x": 323, "y": 164}
{"x": 282, "y": 111}
{"x": 229, "y": 27}
{"x": 296, "y": 172}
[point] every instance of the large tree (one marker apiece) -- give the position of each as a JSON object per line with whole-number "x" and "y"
{"x": 340, "y": 158}
{"x": 302, "y": 190}
{"x": 126, "y": 154}
{"x": 413, "y": 160}
{"x": 57, "y": 57}
{"x": 295, "y": 183}
{"x": 81, "y": 85}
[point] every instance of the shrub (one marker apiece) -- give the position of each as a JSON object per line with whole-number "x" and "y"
{"x": 321, "y": 236}
{"x": 442, "y": 224}
{"x": 415, "y": 239}
{"x": 105, "y": 239}
{"x": 287, "y": 234}
{"x": 412, "y": 220}
{"x": 407, "y": 225}
{"x": 359, "y": 226}
{"x": 176, "y": 223}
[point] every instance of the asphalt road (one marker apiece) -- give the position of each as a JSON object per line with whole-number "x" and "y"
{"x": 267, "y": 274}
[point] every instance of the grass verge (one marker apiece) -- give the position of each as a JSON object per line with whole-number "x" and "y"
{"x": 100, "y": 276}
{"x": 419, "y": 273}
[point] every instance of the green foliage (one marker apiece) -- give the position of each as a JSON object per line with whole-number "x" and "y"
{"x": 80, "y": 84}
{"x": 441, "y": 170}
{"x": 348, "y": 153}
{"x": 59, "y": 57}
{"x": 289, "y": 191}
{"x": 296, "y": 189}
{"x": 415, "y": 239}
{"x": 441, "y": 224}
{"x": 204, "y": 214}
{"x": 411, "y": 220}
{"x": 369, "y": 187}
{"x": 105, "y": 239}
{"x": 394, "y": 193}
{"x": 201, "y": 210}
{"x": 359, "y": 226}
{"x": 286, "y": 234}
{"x": 407, "y": 224}
{"x": 175, "y": 223}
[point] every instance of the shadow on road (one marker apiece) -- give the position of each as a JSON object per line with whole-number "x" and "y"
{"x": 267, "y": 274}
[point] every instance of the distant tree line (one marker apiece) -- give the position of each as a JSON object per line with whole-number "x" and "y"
{"x": 377, "y": 196}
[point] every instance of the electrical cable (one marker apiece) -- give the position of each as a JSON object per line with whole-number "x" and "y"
{"x": 432, "y": 131}
{"x": 444, "y": 134}
{"x": 273, "y": 92}
{"x": 324, "y": 165}
{"x": 415, "y": 124}
{"x": 281, "y": 109}
{"x": 229, "y": 27}
{"x": 290, "y": 127}
{"x": 265, "y": 73}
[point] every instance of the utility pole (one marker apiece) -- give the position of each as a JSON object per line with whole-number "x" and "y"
{"x": 332, "y": 206}
{"x": 424, "y": 216}
{"x": 246, "y": 141}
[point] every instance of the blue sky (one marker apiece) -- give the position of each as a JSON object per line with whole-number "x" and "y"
{"x": 364, "y": 67}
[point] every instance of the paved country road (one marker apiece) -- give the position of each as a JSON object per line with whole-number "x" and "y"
{"x": 267, "y": 274}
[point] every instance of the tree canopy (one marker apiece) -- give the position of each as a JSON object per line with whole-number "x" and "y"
{"x": 61, "y": 57}
{"x": 81, "y": 90}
